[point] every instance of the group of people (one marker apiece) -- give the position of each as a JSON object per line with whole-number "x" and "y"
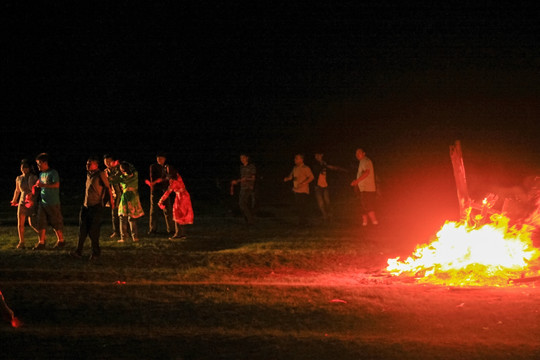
{"x": 37, "y": 198}
{"x": 302, "y": 177}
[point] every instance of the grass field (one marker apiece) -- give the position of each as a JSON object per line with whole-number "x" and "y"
{"x": 271, "y": 291}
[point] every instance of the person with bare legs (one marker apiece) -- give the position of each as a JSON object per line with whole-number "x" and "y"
{"x": 25, "y": 200}
{"x": 49, "y": 211}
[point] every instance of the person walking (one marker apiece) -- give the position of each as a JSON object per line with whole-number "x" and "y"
{"x": 91, "y": 214}
{"x": 49, "y": 212}
{"x": 182, "y": 208}
{"x": 365, "y": 181}
{"x": 25, "y": 200}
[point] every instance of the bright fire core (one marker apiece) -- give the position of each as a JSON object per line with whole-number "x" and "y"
{"x": 467, "y": 254}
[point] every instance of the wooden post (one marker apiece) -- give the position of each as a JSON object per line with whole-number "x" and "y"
{"x": 459, "y": 175}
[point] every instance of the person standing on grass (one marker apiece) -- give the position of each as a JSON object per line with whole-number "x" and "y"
{"x": 112, "y": 169}
{"x": 91, "y": 213}
{"x": 159, "y": 183}
{"x": 182, "y": 209}
{"x": 49, "y": 211}
{"x": 247, "y": 185}
{"x": 25, "y": 200}
{"x": 322, "y": 195}
{"x": 129, "y": 207}
{"x": 365, "y": 181}
{"x": 301, "y": 177}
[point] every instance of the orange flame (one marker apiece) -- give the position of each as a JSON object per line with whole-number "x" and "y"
{"x": 467, "y": 254}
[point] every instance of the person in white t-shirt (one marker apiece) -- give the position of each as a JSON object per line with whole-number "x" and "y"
{"x": 365, "y": 181}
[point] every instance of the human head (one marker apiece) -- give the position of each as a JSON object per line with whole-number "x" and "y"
{"x": 299, "y": 159}
{"x": 360, "y": 154}
{"x": 125, "y": 168}
{"x": 26, "y": 166}
{"x": 319, "y": 156}
{"x": 172, "y": 173}
{"x": 109, "y": 160}
{"x": 244, "y": 159}
{"x": 42, "y": 161}
{"x": 161, "y": 157}
{"x": 92, "y": 164}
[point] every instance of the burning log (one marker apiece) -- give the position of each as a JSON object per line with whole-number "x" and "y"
{"x": 459, "y": 175}
{"x": 524, "y": 279}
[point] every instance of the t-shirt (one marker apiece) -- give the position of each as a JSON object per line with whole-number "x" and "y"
{"x": 367, "y": 184}
{"x": 300, "y": 175}
{"x": 49, "y": 196}
{"x": 245, "y": 172}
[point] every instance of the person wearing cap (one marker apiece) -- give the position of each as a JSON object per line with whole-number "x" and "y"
{"x": 25, "y": 200}
{"x": 158, "y": 184}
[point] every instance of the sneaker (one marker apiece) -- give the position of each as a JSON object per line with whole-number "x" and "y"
{"x": 59, "y": 245}
{"x": 75, "y": 254}
{"x": 39, "y": 246}
{"x": 20, "y": 245}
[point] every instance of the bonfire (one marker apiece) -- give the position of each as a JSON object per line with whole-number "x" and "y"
{"x": 485, "y": 248}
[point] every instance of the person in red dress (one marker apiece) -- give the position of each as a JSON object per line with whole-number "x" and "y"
{"x": 182, "y": 209}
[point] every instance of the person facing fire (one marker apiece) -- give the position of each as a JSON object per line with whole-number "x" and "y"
{"x": 301, "y": 177}
{"x": 365, "y": 181}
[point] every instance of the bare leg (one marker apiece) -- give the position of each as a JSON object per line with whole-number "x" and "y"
{"x": 372, "y": 217}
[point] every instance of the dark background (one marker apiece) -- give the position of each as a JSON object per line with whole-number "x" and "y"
{"x": 206, "y": 81}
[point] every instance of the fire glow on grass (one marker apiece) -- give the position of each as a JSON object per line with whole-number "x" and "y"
{"x": 467, "y": 254}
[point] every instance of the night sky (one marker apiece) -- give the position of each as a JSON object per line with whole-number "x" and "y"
{"x": 205, "y": 81}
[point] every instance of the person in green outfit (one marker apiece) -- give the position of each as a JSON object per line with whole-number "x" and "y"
{"x": 129, "y": 208}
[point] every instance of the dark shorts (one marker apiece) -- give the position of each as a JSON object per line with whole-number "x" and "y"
{"x": 50, "y": 215}
{"x": 367, "y": 201}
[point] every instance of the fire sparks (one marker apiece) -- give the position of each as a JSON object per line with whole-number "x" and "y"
{"x": 469, "y": 253}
